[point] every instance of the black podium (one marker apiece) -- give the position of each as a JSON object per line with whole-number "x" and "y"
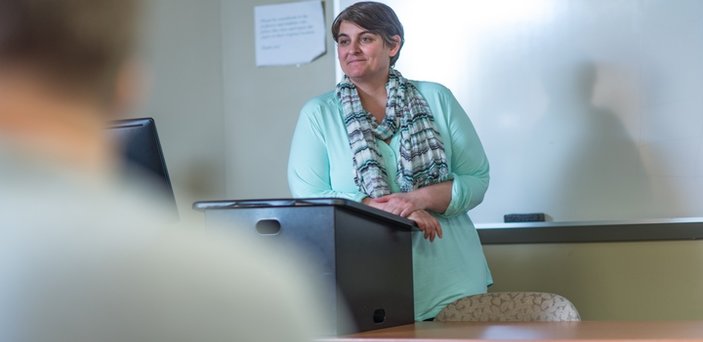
{"x": 364, "y": 254}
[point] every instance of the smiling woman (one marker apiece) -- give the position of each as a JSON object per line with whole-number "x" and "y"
{"x": 406, "y": 147}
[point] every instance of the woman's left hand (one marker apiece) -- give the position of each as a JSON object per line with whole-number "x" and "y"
{"x": 427, "y": 223}
{"x": 401, "y": 203}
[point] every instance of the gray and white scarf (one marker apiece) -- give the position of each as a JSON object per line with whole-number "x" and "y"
{"x": 422, "y": 159}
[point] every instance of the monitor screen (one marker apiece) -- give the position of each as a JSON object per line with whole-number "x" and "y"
{"x": 141, "y": 154}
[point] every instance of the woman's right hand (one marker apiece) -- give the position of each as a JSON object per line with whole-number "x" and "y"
{"x": 427, "y": 223}
{"x": 375, "y": 204}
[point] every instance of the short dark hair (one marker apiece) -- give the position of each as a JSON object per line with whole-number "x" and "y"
{"x": 376, "y": 17}
{"x": 80, "y": 43}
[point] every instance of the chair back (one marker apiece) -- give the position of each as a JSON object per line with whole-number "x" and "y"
{"x": 510, "y": 307}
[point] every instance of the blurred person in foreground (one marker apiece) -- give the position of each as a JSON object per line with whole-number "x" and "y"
{"x": 82, "y": 258}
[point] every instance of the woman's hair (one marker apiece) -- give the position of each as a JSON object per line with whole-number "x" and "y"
{"x": 375, "y": 17}
{"x": 79, "y": 44}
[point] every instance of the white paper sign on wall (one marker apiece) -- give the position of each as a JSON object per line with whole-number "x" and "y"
{"x": 289, "y": 33}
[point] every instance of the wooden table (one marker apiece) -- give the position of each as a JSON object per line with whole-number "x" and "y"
{"x": 545, "y": 331}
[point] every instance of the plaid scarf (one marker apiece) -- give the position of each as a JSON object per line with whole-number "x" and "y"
{"x": 422, "y": 159}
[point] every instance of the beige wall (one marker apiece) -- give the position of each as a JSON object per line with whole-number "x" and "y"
{"x": 262, "y": 104}
{"x": 225, "y": 125}
{"x": 183, "y": 59}
{"x": 618, "y": 281}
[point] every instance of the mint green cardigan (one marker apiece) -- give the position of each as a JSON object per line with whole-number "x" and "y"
{"x": 445, "y": 270}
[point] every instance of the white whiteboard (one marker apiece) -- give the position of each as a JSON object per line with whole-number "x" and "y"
{"x": 588, "y": 109}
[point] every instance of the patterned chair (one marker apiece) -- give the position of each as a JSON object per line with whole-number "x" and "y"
{"x": 510, "y": 307}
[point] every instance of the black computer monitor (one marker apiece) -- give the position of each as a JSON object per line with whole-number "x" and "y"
{"x": 142, "y": 155}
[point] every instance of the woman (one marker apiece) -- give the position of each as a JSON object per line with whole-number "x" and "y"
{"x": 402, "y": 146}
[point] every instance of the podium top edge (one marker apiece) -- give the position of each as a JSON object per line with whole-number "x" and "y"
{"x": 302, "y": 202}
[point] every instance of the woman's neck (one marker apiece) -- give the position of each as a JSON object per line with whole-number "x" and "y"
{"x": 373, "y": 95}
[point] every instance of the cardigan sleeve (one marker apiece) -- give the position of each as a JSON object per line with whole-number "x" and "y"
{"x": 308, "y": 163}
{"x": 469, "y": 164}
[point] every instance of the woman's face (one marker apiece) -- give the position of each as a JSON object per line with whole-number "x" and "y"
{"x": 363, "y": 55}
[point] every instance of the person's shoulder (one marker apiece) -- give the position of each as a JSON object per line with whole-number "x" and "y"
{"x": 320, "y": 104}
{"x": 440, "y": 99}
{"x": 431, "y": 88}
{"x": 321, "y": 112}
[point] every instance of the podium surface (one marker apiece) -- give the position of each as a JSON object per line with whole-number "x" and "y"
{"x": 363, "y": 255}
